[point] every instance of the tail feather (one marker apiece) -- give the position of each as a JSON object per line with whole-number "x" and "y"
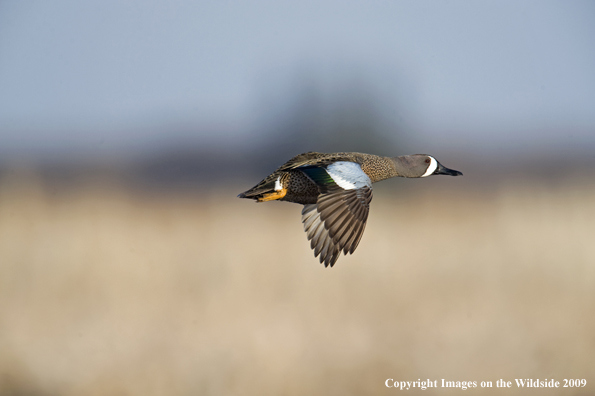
{"x": 259, "y": 190}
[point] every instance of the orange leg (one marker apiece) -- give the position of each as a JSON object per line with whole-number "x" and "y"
{"x": 273, "y": 195}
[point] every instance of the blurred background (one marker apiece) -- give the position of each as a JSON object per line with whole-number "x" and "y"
{"x": 129, "y": 267}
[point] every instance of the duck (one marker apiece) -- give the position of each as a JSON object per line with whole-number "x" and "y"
{"x": 336, "y": 191}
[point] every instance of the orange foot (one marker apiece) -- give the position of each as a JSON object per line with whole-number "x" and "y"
{"x": 273, "y": 195}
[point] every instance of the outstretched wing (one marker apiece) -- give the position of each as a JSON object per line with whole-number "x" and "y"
{"x": 337, "y": 221}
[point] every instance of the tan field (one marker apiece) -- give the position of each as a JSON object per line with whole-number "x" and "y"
{"x": 105, "y": 291}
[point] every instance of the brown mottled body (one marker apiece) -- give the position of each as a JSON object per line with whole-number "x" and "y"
{"x": 297, "y": 187}
{"x": 377, "y": 168}
{"x": 300, "y": 189}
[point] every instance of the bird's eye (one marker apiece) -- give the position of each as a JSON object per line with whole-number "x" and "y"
{"x": 427, "y": 160}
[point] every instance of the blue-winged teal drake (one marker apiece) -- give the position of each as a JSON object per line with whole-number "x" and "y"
{"x": 336, "y": 190}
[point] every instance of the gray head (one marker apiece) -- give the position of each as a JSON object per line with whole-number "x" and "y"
{"x": 421, "y": 165}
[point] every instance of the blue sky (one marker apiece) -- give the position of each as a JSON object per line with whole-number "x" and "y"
{"x": 118, "y": 75}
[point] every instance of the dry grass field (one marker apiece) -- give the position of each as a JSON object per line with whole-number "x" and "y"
{"x": 106, "y": 291}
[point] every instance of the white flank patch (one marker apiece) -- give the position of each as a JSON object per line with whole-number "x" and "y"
{"x": 432, "y": 167}
{"x": 348, "y": 175}
{"x": 278, "y": 186}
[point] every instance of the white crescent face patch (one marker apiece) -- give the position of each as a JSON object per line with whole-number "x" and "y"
{"x": 432, "y": 167}
{"x": 348, "y": 175}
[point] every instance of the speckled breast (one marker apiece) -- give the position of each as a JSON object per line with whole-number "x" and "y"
{"x": 300, "y": 189}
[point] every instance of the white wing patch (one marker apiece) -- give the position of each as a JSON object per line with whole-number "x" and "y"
{"x": 278, "y": 186}
{"x": 348, "y": 175}
{"x": 432, "y": 167}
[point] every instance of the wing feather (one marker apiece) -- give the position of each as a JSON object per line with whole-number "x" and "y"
{"x": 337, "y": 221}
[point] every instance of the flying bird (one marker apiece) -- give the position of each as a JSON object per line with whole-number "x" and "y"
{"x": 336, "y": 191}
